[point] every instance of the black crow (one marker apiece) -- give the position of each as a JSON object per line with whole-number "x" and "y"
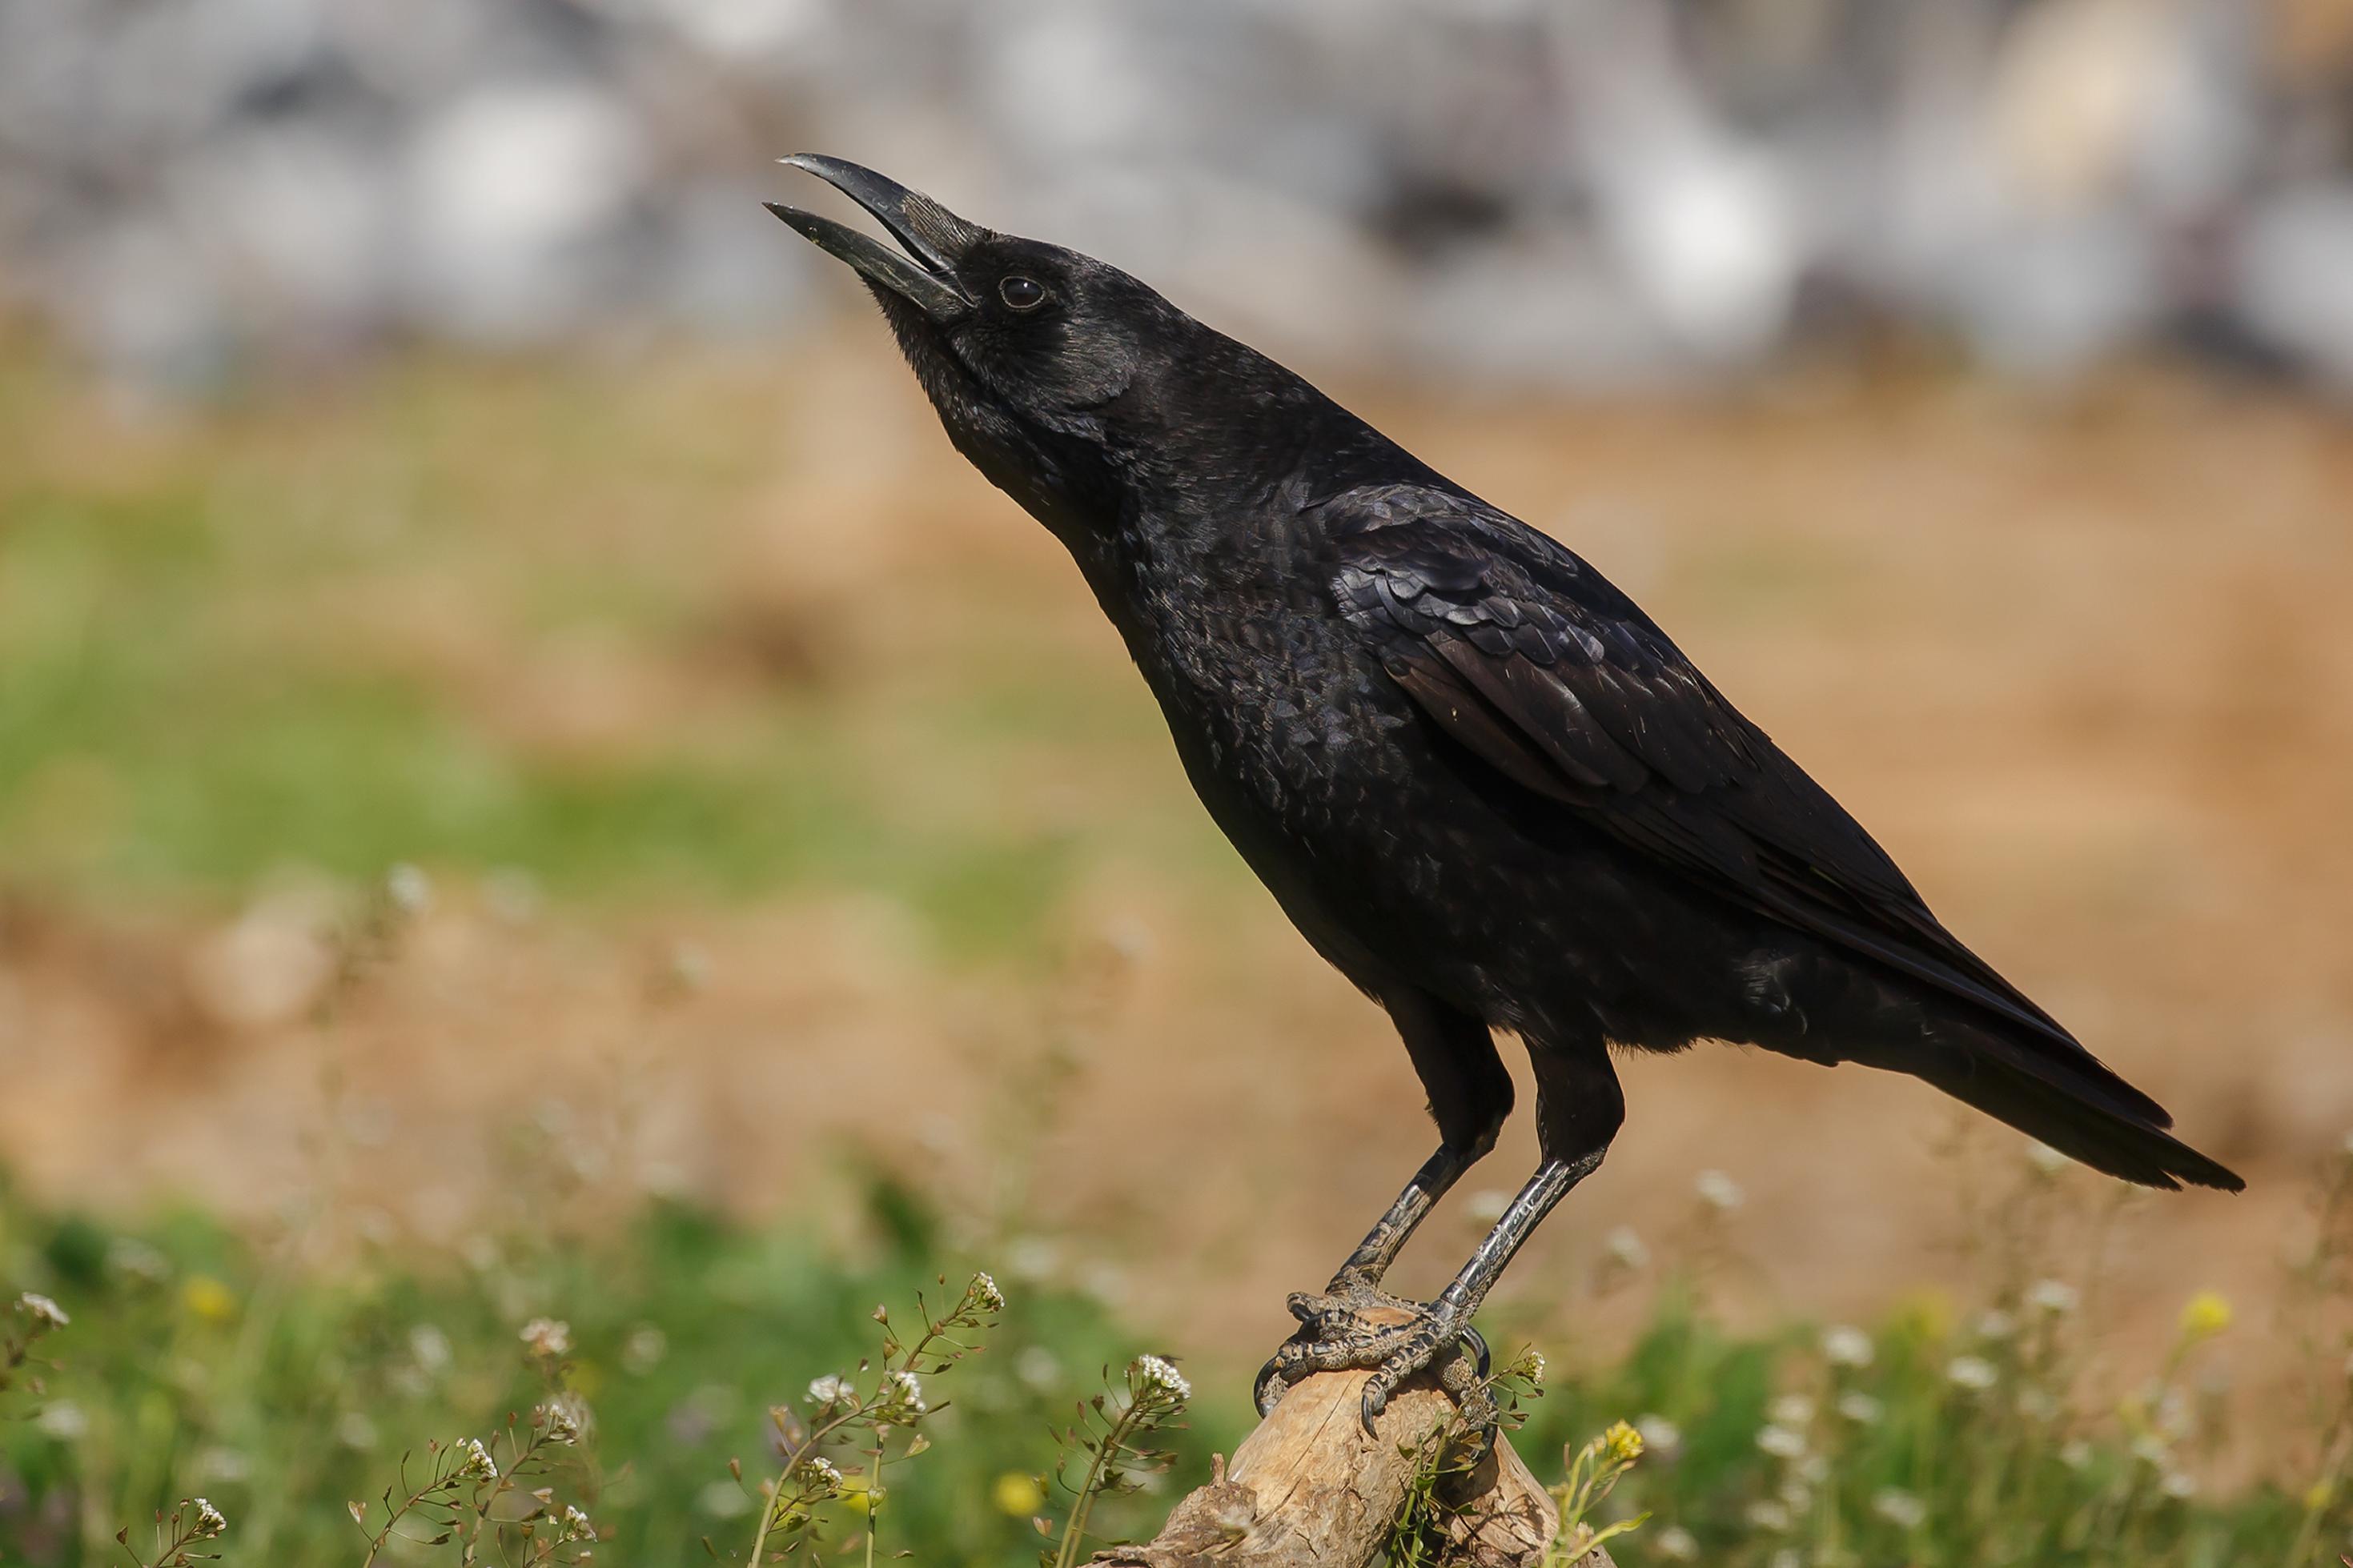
{"x": 1483, "y": 784}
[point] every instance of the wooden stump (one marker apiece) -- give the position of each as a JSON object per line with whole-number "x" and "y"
{"x": 1310, "y": 1488}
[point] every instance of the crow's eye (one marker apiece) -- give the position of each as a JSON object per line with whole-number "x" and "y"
{"x": 1021, "y": 293}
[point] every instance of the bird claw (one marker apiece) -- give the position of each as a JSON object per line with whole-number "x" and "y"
{"x": 1337, "y": 1333}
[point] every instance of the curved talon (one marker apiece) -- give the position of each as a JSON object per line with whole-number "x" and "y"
{"x": 1467, "y": 1387}
{"x": 1293, "y": 1357}
{"x": 1267, "y": 1392}
{"x": 1477, "y": 1403}
{"x": 1419, "y": 1347}
{"x": 1335, "y": 1336}
{"x": 1477, "y": 1344}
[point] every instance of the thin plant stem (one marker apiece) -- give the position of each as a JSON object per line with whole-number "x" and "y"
{"x": 874, "y": 1495}
{"x": 1074, "y": 1530}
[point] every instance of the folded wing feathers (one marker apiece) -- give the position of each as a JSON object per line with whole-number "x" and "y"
{"x": 1548, "y": 672}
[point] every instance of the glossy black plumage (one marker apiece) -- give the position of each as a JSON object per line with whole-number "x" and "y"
{"x": 1483, "y": 783}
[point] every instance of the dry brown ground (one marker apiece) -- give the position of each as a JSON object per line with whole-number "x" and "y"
{"x": 2083, "y": 663}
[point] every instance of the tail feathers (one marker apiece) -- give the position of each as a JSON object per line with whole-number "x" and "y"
{"x": 2082, "y": 1110}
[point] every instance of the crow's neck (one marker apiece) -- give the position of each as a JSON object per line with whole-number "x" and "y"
{"x": 1218, "y": 541}
{"x": 1225, "y": 440}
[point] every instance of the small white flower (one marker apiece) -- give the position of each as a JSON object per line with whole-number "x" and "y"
{"x": 1785, "y": 1558}
{"x": 644, "y": 1349}
{"x": 831, "y": 1390}
{"x": 1660, "y": 1436}
{"x": 1151, "y": 1372}
{"x": 430, "y": 1346}
{"x": 904, "y": 1390}
{"x": 2151, "y": 1450}
{"x": 409, "y": 888}
{"x": 2179, "y": 1485}
{"x": 2076, "y": 1453}
{"x": 1900, "y": 1508}
{"x": 1037, "y": 1367}
{"x": 1034, "y": 1258}
{"x": 1766, "y": 1515}
{"x": 1536, "y": 1366}
{"x": 2046, "y": 1159}
{"x": 221, "y": 1464}
{"x": 44, "y": 1313}
{"x": 475, "y": 1462}
{"x": 690, "y": 966}
{"x": 1973, "y": 1373}
{"x": 1860, "y": 1408}
{"x": 823, "y": 1471}
{"x": 62, "y": 1419}
{"x": 559, "y": 1420}
{"x": 1813, "y": 1469}
{"x": 1780, "y": 1442}
{"x": 547, "y": 1336}
{"x": 1675, "y": 1543}
{"x": 210, "y": 1521}
{"x": 985, "y": 1294}
{"x": 575, "y": 1524}
{"x": 1129, "y": 939}
{"x": 1718, "y": 1191}
{"x": 2055, "y": 1297}
{"x": 1993, "y": 1323}
{"x": 134, "y": 1259}
{"x": 725, "y": 1500}
{"x": 1625, "y": 1248}
{"x": 1791, "y": 1410}
{"x": 1106, "y": 1282}
{"x": 1845, "y": 1345}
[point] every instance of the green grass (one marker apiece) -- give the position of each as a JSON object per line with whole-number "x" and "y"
{"x": 183, "y": 711}
{"x": 1991, "y": 1485}
{"x": 198, "y": 1365}
{"x": 202, "y": 1367}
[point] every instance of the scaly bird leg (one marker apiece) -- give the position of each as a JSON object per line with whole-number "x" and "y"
{"x": 1394, "y": 1352}
{"x": 1389, "y": 1234}
{"x": 1338, "y": 1314}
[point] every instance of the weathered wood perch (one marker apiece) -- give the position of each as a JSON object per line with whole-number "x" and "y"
{"x": 1310, "y": 1488}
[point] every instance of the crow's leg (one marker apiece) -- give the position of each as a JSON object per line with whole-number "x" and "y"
{"x": 1470, "y": 1096}
{"x": 1371, "y": 1260}
{"x": 1575, "y": 1134}
{"x": 1343, "y": 1312}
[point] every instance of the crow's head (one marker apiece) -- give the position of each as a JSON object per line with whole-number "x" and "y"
{"x": 1048, "y": 368}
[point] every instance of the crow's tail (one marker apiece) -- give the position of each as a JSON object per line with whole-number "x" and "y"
{"x": 2069, "y": 1100}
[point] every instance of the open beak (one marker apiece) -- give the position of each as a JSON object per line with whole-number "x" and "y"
{"x": 936, "y": 240}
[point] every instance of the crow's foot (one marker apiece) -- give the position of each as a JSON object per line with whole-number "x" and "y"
{"x": 1353, "y": 1326}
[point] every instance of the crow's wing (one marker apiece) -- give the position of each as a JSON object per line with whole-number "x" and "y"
{"x": 1538, "y": 666}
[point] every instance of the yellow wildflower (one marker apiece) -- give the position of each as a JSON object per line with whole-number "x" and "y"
{"x": 1622, "y": 1442}
{"x": 2206, "y": 1314}
{"x": 208, "y": 1298}
{"x": 1925, "y": 1314}
{"x": 1017, "y": 1495}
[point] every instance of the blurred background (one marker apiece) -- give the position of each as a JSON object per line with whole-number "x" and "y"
{"x": 491, "y": 639}
{"x": 1599, "y": 194}
{"x": 1582, "y": 193}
